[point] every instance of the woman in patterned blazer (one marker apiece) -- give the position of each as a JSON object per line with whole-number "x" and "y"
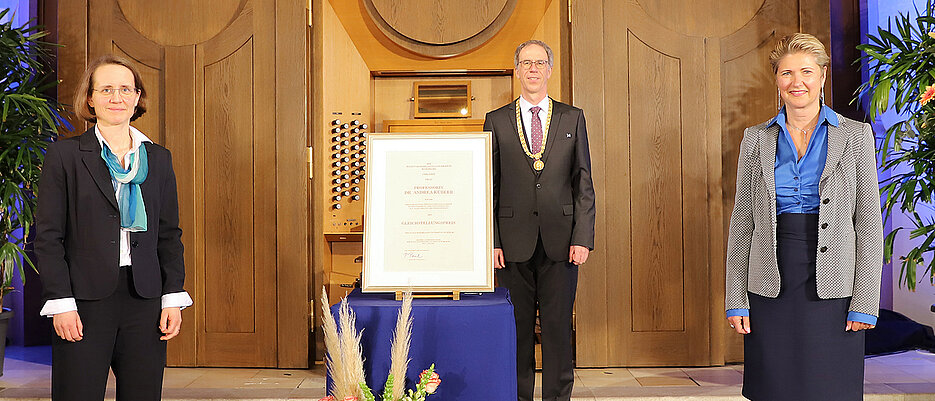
{"x": 805, "y": 247}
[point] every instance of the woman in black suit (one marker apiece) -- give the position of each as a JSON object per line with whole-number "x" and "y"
{"x": 109, "y": 245}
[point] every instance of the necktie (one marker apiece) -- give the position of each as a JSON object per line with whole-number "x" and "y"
{"x": 536, "y": 130}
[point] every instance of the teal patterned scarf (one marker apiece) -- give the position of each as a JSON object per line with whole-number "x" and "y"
{"x": 129, "y": 197}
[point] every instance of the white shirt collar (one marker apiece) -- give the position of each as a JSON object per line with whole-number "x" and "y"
{"x": 525, "y": 105}
{"x": 136, "y": 139}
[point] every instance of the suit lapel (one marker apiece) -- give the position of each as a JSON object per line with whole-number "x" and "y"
{"x": 553, "y": 129}
{"x": 837, "y": 141}
{"x": 768, "y": 139}
{"x": 91, "y": 157}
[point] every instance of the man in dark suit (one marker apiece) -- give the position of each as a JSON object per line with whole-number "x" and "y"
{"x": 544, "y": 225}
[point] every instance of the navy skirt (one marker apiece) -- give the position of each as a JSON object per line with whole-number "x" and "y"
{"x": 797, "y": 348}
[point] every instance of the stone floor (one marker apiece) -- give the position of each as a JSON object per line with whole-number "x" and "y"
{"x": 905, "y": 376}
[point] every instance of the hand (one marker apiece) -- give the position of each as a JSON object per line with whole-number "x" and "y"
{"x": 740, "y": 324}
{"x": 498, "y": 262}
{"x": 578, "y": 254}
{"x": 170, "y": 322}
{"x": 857, "y": 326}
{"x": 68, "y": 326}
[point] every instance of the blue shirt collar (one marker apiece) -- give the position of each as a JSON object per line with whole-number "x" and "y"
{"x": 825, "y": 115}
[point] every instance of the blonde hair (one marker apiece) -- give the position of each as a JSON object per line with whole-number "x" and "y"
{"x": 799, "y": 43}
{"x": 86, "y": 87}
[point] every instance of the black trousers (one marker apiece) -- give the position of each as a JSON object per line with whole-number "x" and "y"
{"x": 549, "y": 286}
{"x": 120, "y": 332}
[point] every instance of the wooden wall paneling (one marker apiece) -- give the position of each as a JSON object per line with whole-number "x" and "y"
{"x": 749, "y": 95}
{"x": 380, "y": 53}
{"x": 717, "y": 238}
{"x": 236, "y": 122}
{"x": 229, "y": 160}
{"x": 180, "y": 138}
{"x": 694, "y": 18}
{"x": 235, "y": 81}
{"x": 292, "y": 215}
{"x": 203, "y": 19}
{"x": 593, "y": 321}
{"x": 439, "y": 29}
{"x": 655, "y": 147}
{"x": 72, "y": 57}
{"x": 434, "y": 22}
{"x": 615, "y": 176}
{"x": 688, "y": 344}
{"x": 315, "y": 202}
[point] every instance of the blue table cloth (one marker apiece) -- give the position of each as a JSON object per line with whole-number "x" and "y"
{"x": 472, "y": 343}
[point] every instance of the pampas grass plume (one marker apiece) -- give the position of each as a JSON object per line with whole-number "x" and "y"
{"x": 399, "y": 350}
{"x": 352, "y": 357}
{"x": 333, "y": 349}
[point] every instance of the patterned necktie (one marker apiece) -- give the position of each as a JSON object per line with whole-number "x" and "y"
{"x": 536, "y": 130}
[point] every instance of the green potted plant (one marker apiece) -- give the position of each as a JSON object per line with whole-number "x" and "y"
{"x": 902, "y": 74}
{"x": 28, "y": 122}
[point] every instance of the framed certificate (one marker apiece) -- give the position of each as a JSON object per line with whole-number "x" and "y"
{"x": 429, "y": 218}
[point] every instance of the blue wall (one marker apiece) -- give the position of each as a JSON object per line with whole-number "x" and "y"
{"x": 22, "y": 11}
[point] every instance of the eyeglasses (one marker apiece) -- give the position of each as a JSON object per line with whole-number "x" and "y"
{"x": 125, "y": 91}
{"x": 540, "y": 64}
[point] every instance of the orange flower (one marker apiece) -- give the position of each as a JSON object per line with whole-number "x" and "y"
{"x": 350, "y": 398}
{"x": 928, "y": 95}
{"x": 328, "y": 398}
{"x": 433, "y": 383}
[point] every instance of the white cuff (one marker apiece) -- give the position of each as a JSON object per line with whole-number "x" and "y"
{"x": 177, "y": 300}
{"x": 56, "y": 306}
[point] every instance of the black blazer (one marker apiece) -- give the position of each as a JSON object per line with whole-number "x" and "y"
{"x": 78, "y": 225}
{"x": 557, "y": 202}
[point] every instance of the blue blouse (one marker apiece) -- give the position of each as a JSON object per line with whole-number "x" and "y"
{"x": 797, "y": 179}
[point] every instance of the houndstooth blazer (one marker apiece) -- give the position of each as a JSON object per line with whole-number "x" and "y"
{"x": 850, "y": 235}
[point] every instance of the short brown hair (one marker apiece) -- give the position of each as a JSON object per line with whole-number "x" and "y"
{"x": 799, "y": 43}
{"x": 548, "y": 51}
{"x": 85, "y": 88}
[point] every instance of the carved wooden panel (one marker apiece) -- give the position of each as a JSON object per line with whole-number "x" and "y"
{"x": 439, "y": 28}
{"x": 238, "y": 274}
{"x": 667, "y": 95}
{"x": 229, "y": 211}
{"x": 180, "y": 22}
{"x": 439, "y": 22}
{"x": 211, "y": 77}
{"x": 656, "y": 181}
{"x": 713, "y": 18}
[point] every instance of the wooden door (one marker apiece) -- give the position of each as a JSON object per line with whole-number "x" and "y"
{"x": 667, "y": 94}
{"x": 226, "y": 89}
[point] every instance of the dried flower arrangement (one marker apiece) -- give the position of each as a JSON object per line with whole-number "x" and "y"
{"x": 345, "y": 362}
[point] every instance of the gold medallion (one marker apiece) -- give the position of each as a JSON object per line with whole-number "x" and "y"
{"x": 537, "y": 164}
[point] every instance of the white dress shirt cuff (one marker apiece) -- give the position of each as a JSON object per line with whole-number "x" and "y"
{"x": 177, "y": 300}
{"x": 56, "y": 306}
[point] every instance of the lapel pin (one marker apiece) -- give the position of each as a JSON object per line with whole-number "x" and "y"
{"x": 568, "y": 135}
